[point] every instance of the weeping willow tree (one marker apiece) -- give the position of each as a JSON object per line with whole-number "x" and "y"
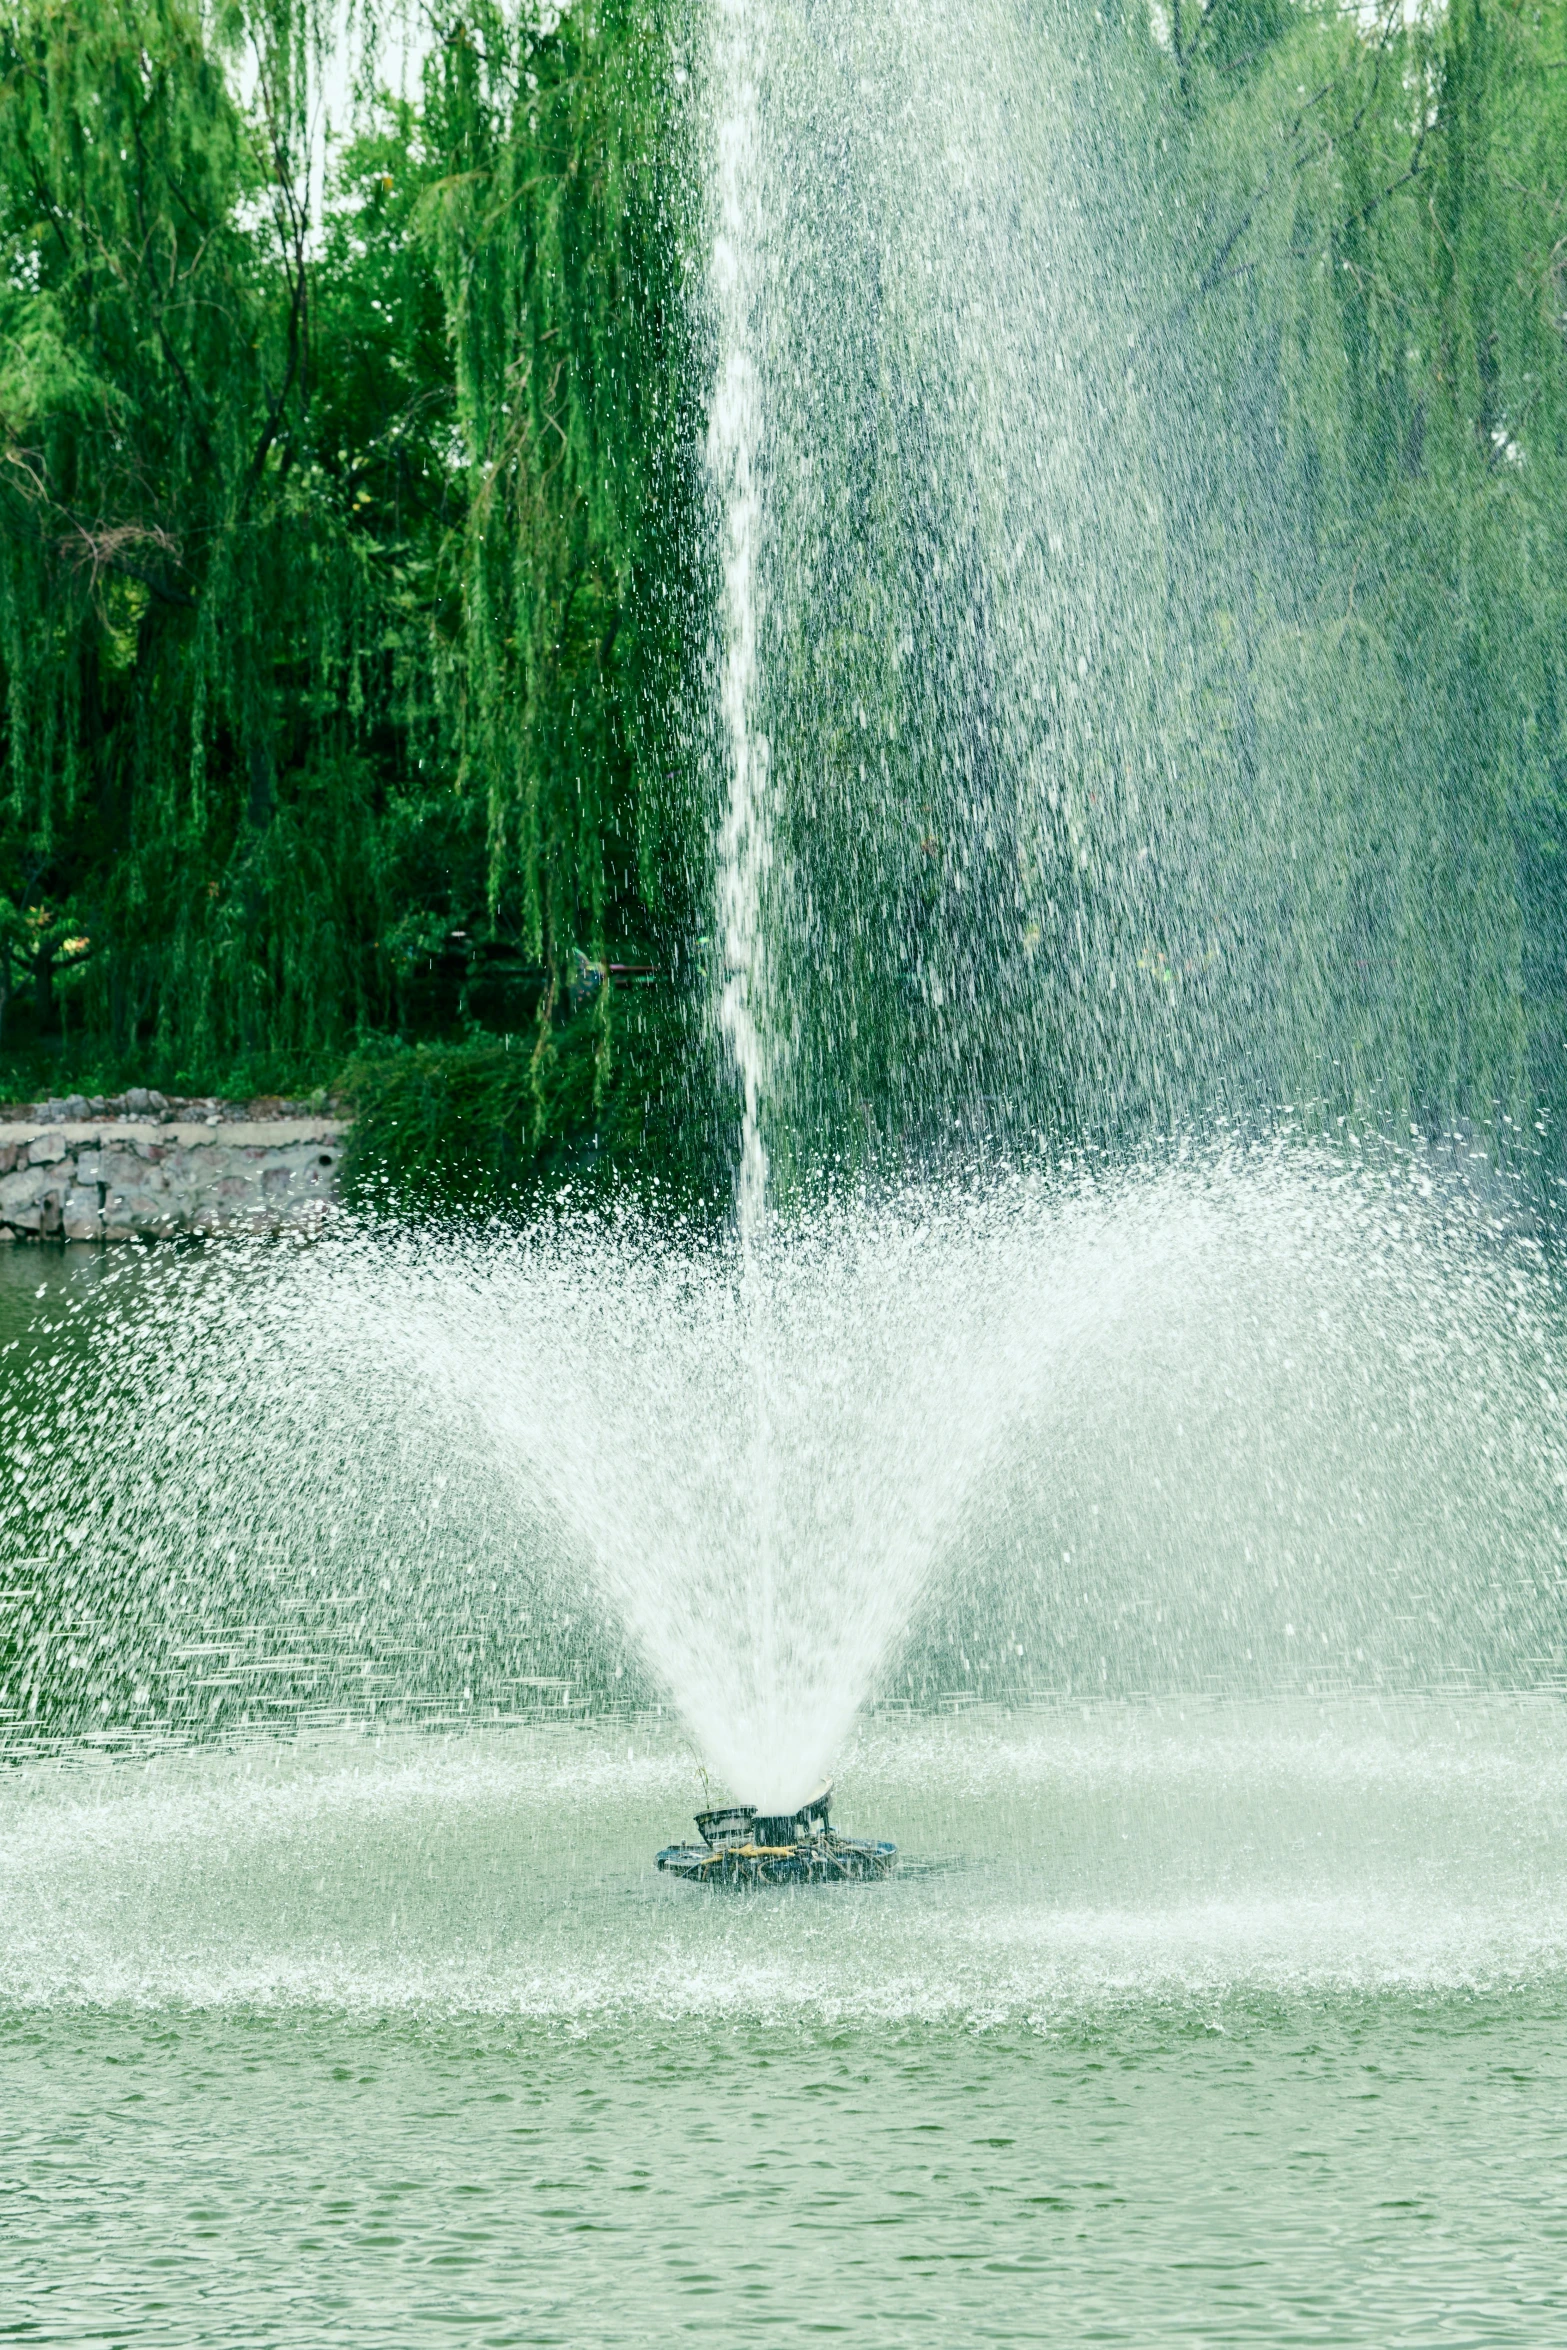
{"x": 346, "y": 560}
{"x": 1344, "y": 402}
{"x": 563, "y": 229}
{"x": 1367, "y": 534}
{"x": 187, "y": 614}
{"x": 1163, "y": 611}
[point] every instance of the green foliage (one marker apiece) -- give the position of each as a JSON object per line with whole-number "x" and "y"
{"x": 339, "y": 565}
{"x": 560, "y": 229}
{"x": 356, "y": 573}
{"x": 1367, "y": 246}
{"x": 467, "y": 1127}
{"x": 186, "y": 611}
{"x": 1168, "y": 709}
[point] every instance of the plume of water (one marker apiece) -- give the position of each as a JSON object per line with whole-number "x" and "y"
{"x": 1076, "y": 817}
{"x": 1232, "y": 1421}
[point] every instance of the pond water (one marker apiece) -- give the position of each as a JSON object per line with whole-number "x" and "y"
{"x": 1206, "y": 2024}
{"x": 1216, "y": 2018}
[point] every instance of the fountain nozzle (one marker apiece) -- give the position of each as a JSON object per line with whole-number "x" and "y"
{"x": 741, "y": 1845}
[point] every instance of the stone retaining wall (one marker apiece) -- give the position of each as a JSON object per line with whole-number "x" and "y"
{"x": 132, "y": 1178}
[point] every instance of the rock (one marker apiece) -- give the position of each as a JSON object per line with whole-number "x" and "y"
{"x": 82, "y": 1216}
{"x": 152, "y": 1213}
{"x": 153, "y": 1168}
{"x": 24, "y": 1189}
{"x": 123, "y": 1170}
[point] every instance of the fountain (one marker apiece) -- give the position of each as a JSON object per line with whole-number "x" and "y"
{"x": 1270, "y": 1416}
{"x": 1117, "y": 1427}
{"x": 1119, "y": 1432}
{"x": 1079, "y": 1331}
{"x": 1075, "y": 1329}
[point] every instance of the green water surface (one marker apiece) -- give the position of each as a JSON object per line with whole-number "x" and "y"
{"x": 1365, "y": 2169}
{"x": 1184, "y": 2020}
{"x": 399, "y": 2040}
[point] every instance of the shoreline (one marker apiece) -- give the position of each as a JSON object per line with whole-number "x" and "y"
{"x": 139, "y": 1166}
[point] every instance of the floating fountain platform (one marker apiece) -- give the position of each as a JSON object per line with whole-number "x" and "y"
{"x": 742, "y": 1846}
